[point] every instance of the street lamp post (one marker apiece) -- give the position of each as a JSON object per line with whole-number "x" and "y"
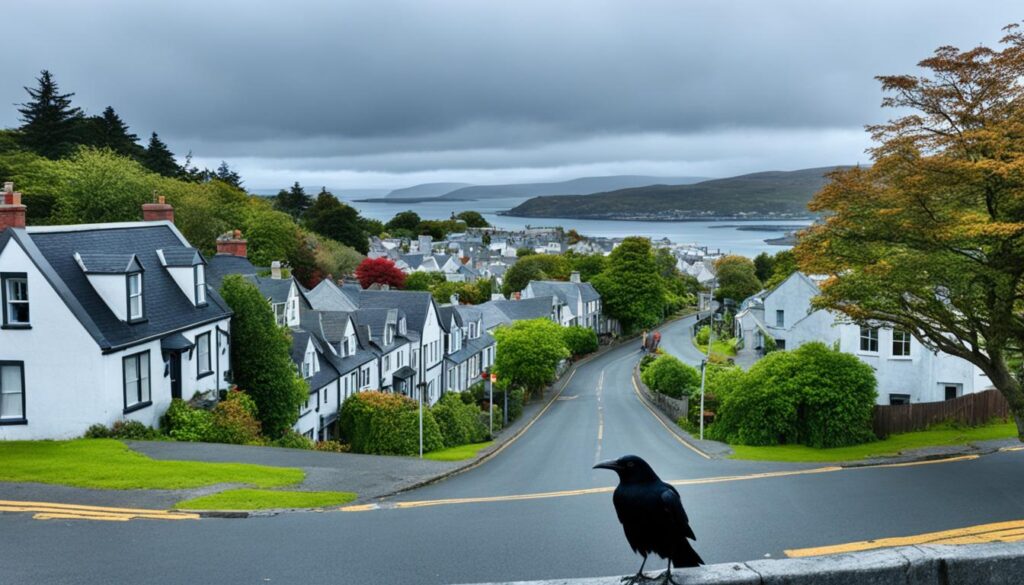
{"x": 707, "y": 359}
{"x": 421, "y": 388}
{"x": 490, "y": 398}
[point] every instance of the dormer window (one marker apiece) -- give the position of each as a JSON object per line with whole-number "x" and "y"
{"x": 401, "y": 326}
{"x": 200, "y": 278}
{"x": 135, "y": 296}
{"x": 15, "y": 291}
{"x": 472, "y": 330}
{"x": 309, "y": 364}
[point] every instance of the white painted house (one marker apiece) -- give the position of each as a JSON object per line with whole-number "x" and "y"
{"x": 906, "y": 370}
{"x": 102, "y": 322}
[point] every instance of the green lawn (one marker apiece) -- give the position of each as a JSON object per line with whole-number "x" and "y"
{"x": 723, "y": 347}
{"x": 248, "y": 499}
{"x": 944, "y": 435}
{"x": 109, "y": 464}
{"x": 458, "y": 453}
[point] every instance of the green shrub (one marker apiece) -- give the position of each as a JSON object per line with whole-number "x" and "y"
{"x": 123, "y": 429}
{"x": 292, "y": 440}
{"x": 671, "y": 377}
{"x": 332, "y": 446}
{"x": 485, "y": 421}
{"x": 184, "y": 423}
{"x": 234, "y": 420}
{"x": 458, "y": 422}
{"x": 814, "y": 395}
{"x": 515, "y": 401}
{"x": 579, "y": 340}
{"x": 646, "y": 361}
{"x": 97, "y": 431}
{"x": 387, "y": 424}
{"x": 703, "y": 335}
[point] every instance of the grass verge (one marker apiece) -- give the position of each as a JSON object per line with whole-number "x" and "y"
{"x": 459, "y": 453}
{"x": 110, "y": 464}
{"x": 935, "y": 437}
{"x": 726, "y": 347}
{"x": 250, "y": 499}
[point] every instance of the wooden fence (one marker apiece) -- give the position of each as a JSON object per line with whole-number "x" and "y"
{"x": 970, "y": 409}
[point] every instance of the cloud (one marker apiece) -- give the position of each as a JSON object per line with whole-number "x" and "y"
{"x": 411, "y": 88}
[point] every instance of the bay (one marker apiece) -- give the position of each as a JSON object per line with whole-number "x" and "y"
{"x": 720, "y": 235}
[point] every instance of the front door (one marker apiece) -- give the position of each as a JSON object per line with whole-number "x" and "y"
{"x": 174, "y": 358}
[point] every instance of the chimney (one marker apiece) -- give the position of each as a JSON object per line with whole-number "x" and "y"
{"x": 275, "y": 270}
{"x": 233, "y": 244}
{"x": 517, "y": 295}
{"x": 12, "y": 212}
{"x": 574, "y": 276}
{"x": 454, "y": 299}
{"x": 159, "y": 211}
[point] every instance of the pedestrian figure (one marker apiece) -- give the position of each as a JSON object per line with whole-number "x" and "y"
{"x": 643, "y": 341}
{"x": 656, "y": 341}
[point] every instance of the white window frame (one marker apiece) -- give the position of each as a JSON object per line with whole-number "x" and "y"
{"x": 780, "y": 318}
{"x": 135, "y": 277}
{"x": 139, "y": 396}
{"x": 200, "y": 284}
{"x": 868, "y": 337}
{"x": 203, "y": 369}
{"x": 901, "y": 341}
{"x": 9, "y": 416}
{"x": 10, "y": 282}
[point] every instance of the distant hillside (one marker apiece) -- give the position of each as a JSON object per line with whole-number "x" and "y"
{"x": 426, "y": 190}
{"x": 581, "y": 186}
{"x": 760, "y": 195}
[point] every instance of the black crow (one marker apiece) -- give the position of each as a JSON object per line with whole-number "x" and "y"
{"x": 652, "y": 516}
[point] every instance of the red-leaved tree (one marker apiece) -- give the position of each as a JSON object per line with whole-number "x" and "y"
{"x": 379, "y": 271}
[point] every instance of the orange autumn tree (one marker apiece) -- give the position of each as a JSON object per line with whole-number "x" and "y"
{"x": 930, "y": 238}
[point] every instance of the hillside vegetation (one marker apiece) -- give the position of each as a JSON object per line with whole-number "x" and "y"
{"x": 768, "y": 194}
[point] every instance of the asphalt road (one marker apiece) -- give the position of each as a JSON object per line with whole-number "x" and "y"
{"x": 489, "y": 524}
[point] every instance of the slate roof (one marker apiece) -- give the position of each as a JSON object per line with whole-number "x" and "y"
{"x": 222, "y": 265}
{"x": 415, "y": 304}
{"x": 167, "y": 309}
{"x": 446, "y": 313}
{"x": 275, "y": 289}
{"x": 104, "y": 263}
{"x": 328, "y": 296}
{"x": 182, "y": 256}
{"x": 568, "y": 292}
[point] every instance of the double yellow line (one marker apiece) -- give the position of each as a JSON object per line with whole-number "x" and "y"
{"x": 53, "y": 511}
{"x": 997, "y": 532}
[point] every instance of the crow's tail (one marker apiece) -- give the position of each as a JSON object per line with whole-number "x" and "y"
{"x": 685, "y": 556}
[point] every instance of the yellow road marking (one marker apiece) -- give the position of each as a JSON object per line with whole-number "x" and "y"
{"x": 1012, "y": 531}
{"x": 51, "y": 510}
{"x": 916, "y": 463}
{"x": 578, "y": 492}
{"x": 636, "y": 389}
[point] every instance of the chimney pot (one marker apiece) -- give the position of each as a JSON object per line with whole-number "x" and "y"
{"x": 233, "y": 244}
{"x": 8, "y": 187}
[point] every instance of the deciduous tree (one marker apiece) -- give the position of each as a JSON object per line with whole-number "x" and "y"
{"x": 379, "y": 271}
{"x": 737, "y": 278}
{"x": 631, "y": 289}
{"x": 528, "y": 353}
{"x": 930, "y": 238}
{"x": 261, "y": 362}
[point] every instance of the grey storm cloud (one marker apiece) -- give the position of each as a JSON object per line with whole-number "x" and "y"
{"x": 398, "y": 87}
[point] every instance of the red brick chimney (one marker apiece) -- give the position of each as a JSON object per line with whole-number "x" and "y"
{"x": 158, "y": 211}
{"x": 12, "y": 212}
{"x": 233, "y": 244}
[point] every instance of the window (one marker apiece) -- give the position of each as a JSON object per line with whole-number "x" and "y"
{"x": 204, "y": 366}
{"x": 136, "y": 381}
{"x": 900, "y": 343}
{"x": 15, "y": 291}
{"x": 309, "y": 365}
{"x": 12, "y": 393}
{"x": 869, "y": 339}
{"x": 200, "y": 271}
{"x": 387, "y": 363}
{"x": 325, "y": 396}
{"x": 952, "y": 391}
{"x": 135, "y": 296}
{"x": 898, "y": 399}
{"x": 364, "y": 377}
{"x": 279, "y": 313}
{"x": 472, "y": 330}
{"x": 780, "y": 318}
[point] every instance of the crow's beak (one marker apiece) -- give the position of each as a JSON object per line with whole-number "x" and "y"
{"x": 612, "y": 464}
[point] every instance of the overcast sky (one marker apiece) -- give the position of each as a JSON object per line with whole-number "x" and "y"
{"x": 384, "y": 93}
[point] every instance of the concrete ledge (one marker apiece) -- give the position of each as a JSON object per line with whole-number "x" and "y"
{"x": 996, "y": 564}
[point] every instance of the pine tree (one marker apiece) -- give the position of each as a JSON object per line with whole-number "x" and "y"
{"x": 159, "y": 159}
{"x": 228, "y": 175}
{"x": 108, "y": 130}
{"x": 294, "y": 201}
{"x": 51, "y": 125}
